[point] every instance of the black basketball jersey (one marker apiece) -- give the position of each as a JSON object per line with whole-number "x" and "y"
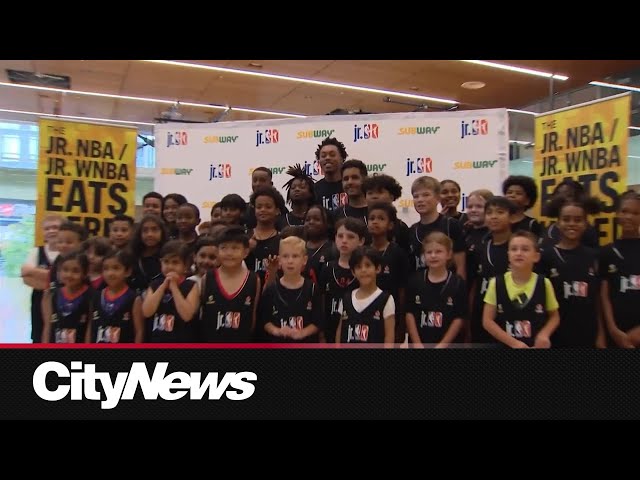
{"x": 256, "y": 260}
{"x": 418, "y": 231}
{"x": 473, "y": 239}
{"x": 113, "y": 316}
{"x": 226, "y": 317}
{"x": 522, "y": 321}
{"x": 36, "y": 299}
{"x": 366, "y": 326}
{"x": 317, "y": 260}
{"x": 145, "y": 270}
{"x": 289, "y": 220}
{"x": 436, "y": 305}
{"x": 573, "y": 274}
{"x": 70, "y": 314}
{"x": 492, "y": 260}
{"x": 620, "y": 266}
{"x": 167, "y": 325}
{"x": 284, "y": 307}
{"x": 336, "y": 281}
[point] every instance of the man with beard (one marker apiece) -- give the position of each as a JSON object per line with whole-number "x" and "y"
{"x": 329, "y": 193}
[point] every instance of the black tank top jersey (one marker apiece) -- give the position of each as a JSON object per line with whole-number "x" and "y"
{"x": 227, "y": 317}
{"x": 492, "y": 261}
{"x": 98, "y": 284}
{"x": 167, "y": 326}
{"x": 336, "y": 282}
{"x": 436, "y": 305}
{"x": 70, "y": 315}
{"x": 620, "y": 265}
{"x": 284, "y": 307}
{"x": 418, "y": 231}
{"x": 330, "y": 194}
{"x": 401, "y": 236}
{"x": 394, "y": 271}
{"x": 366, "y": 326}
{"x": 113, "y": 317}
{"x": 573, "y": 274}
{"x": 317, "y": 259}
{"x": 145, "y": 270}
{"x": 361, "y": 213}
{"x": 256, "y": 259}
{"x": 473, "y": 238}
{"x": 36, "y": 300}
{"x": 54, "y": 282}
{"x": 528, "y": 224}
{"x": 551, "y": 236}
{"x": 521, "y": 321}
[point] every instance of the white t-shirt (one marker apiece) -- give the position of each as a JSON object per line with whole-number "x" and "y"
{"x": 359, "y": 304}
{"x": 32, "y": 258}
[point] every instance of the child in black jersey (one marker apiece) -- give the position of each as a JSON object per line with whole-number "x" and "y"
{"x": 572, "y": 269}
{"x": 187, "y": 219}
{"x": 523, "y": 192}
{"x": 337, "y": 278}
{"x": 120, "y": 230}
{"x": 148, "y": 239}
{"x": 66, "y": 315}
{"x": 230, "y": 293}
{"x": 205, "y": 258}
{"x": 265, "y": 238}
{"x": 300, "y": 196}
{"x": 620, "y": 272}
{"x": 117, "y": 309}
{"x": 491, "y": 259}
{"x": 521, "y": 310}
{"x": 475, "y": 229}
{"x": 368, "y": 313}
{"x": 318, "y": 231}
{"x": 290, "y": 307}
{"x": 171, "y": 300}
{"x": 394, "y": 264}
{"x": 436, "y": 297}
{"x": 425, "y": 191}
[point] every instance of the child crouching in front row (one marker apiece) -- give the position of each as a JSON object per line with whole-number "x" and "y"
{"x": 367, "y": 313}
{"x": 521, "y": 309}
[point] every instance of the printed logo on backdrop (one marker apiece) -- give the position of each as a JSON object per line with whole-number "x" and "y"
{"x": 267, "y": 136}
{"x": 419, "y": 166}
{"x": 220, "y": 139}
{"x": 176, "y": 171}
{"x": 273, "y": 170}
{"x": 208, "y": 204}
{"x": 474, "y": 127}
{"x": 177, "y": 139}
{"x": 418, "y": 130}
{"x": 476, "y": 164}
{"x": 221, "y": 170}
{"x": 305, "y": 134}
{"x": 368, "y": 131}
{"x": 376, "y": 168}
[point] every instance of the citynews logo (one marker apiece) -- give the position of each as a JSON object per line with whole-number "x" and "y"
{"x": 174, "y": 386}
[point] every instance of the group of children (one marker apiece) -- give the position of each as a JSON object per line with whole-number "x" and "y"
{"x": 333, "y": 263}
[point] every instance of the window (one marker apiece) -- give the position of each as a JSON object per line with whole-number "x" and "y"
{"x": 10, "y": 148}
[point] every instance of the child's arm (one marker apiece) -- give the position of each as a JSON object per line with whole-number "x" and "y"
{"x": 460, "y": 259}
{"x": 543, "y": 338}
{"x": 389, "y": 314}
{"x": 138, "y": 321}
{"x": 271, "y": 274}
{"x": 35, "y": 277}
{"x": 618, "y": 336}
{"x": 152, "y": 299}
{"x": 412, "y": 330}
{"x": 471, "y": 305}
{"x": 255, "y": 305}
{"x": 186, "y": 307}
{"x": 489, "y": 319}
{"x": 339, "y": 329}
{"x": 87, "y": 331}
{"x": 452, "y": 333}
{"x": 46, "y": 316}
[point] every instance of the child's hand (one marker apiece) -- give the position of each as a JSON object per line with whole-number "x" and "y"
{"x": 272, "y": 264}
{"x": 294, "y": 333}
{"x": 252, "y": 243}
{"x": 286, "y": 332}
{"x": 173, "y": 279}
{"x": 520, "y": 344}
{"x": 542, "y": 341}
{"x": 622, "y": 339}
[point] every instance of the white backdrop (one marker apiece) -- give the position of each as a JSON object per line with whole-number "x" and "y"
{"x": 204, "y": 162}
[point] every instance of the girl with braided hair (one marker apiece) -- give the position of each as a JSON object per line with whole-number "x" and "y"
{"x": 300, "y": 195}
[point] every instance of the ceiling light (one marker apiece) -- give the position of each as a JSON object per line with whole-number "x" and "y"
{"x": 634, "y": 128}
{"x": 520, "y": 142}
{"x": 512, "y": 68}
{"x": 473, "y": 85}
{"x": 75, "y": 117}
{"x": 149, "y": 100}
{"x": 302, "y": 80}
{"x": 524, "y": 112}
{"x": 615, "y": 85}
{"x": 255, "y": 64}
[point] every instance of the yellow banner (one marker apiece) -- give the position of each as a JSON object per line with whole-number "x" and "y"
{"x": 589, "y": 144}
{"x": 86, "y": 173}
